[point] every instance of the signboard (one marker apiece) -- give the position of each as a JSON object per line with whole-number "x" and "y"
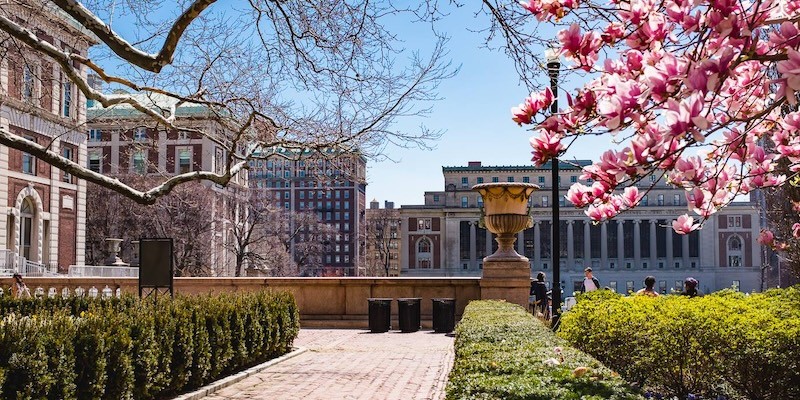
{"x": 155, "y": 266}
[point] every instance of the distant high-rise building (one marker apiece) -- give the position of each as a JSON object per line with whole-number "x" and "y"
{"x": 332, "y": 185}
{"x": 383, "y": 243}
{"x": 444, "y": 236}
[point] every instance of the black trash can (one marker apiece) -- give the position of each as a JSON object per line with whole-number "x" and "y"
{"x": 444, "y": 315}
{"x": 408, "y": 314}
{"x": 380, "y": 315}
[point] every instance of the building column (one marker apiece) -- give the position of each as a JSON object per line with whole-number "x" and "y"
{"x": 570, "y": 245}
{"x": 587, "y": 245}
{"x": 685, "y": 251}
{"x": 637, "y": 243}
{"x": 603, "y": 244}
{"x": 473, "y": 250}
{"x": 620, "y": 244}
{"x": 653, "y": 255}
{"x": 668, "y": 233}
{"x": 537, "y": 238}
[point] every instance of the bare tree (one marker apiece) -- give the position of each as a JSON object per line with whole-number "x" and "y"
{"x": 382, "y": 240}
{"x": 305, "y": 75}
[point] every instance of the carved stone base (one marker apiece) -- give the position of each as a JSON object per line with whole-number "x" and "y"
{"x": 507, "y": 280}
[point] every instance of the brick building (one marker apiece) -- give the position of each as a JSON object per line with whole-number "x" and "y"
{"x": 443, "y": 237}
{"x": 332, "y": 185}
{"x": 382, "y": 241}
{"x": 42, "y": 209}
{"x": 122, "y": 141}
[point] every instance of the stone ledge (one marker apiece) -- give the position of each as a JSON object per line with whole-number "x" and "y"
{"x": 230, "y": 380}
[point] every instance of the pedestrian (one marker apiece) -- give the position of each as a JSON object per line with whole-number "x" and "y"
{"x": 590, "y": 283}
{"x": 19, "y": 289}
{"x": 648, "y": 290}
{"x": 539, "y": 295}
{"x": 690, "y": 287}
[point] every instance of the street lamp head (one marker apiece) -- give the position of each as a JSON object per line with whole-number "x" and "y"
{"x": 553, "y": 56}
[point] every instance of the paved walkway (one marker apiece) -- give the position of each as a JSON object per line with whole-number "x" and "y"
{"x": 354, "y": 364}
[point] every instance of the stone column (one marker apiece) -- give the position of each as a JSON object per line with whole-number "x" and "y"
{"x": 506, "y": 280}
{"x": 668, "y": 231}
{"x": 537, "y": 238}
{"x": 603, "y": 244}
{"x": 473, "y": 249}
{"x": 587, "y": 246}
{"x": 570, "y": 245}
{"x": 637, "y": 243}
{"x": 653, "y": 255}
{"x": 620, "y": 244}
{"x": 685, "y": 251}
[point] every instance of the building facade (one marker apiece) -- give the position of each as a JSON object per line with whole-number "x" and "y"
{"x": 382, "y": 243}
{"x": 42, "y": 209}
{"x": 123, "y": 142}
{"x": 443, "y": 237}
{"x": 330, "y": 184}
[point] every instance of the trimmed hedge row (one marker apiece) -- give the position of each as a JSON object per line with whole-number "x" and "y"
{"x": 742, "y": 346}
{"x": 131, "y": 349}
{"x": 502, "y": 352}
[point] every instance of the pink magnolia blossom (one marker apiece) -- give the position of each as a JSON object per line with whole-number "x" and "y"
{"x": 545, "y": 147}
{"x": 766, "y": 237}
{"x": 582, "y": 48}
{"x": 630, "y": 196}
{"x": 796, "y": 230}
{"x": 523, "y": 113}
{"x": 790, "y": 73}
{"x": 684, "y": 225}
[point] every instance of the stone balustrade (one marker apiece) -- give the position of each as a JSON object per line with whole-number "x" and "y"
{"x": 323, "y": 302}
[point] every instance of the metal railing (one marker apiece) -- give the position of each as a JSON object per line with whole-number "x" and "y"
{"x": 103, "y": 271}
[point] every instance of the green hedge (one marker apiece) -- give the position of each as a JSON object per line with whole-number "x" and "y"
{"x": 743, "y": 346}
{"x": 502, "y": 352}
{"x": 131, "y": 349}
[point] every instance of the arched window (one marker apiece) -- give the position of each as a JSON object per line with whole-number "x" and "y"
{"x": 735, "y": 251}
{"x": 424, "y": 246}
{"x": 27, "y": 214}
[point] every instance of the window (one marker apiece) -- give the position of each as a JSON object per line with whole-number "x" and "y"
{"x": 302, "y": 195}
{"x": 184, "y": 161}
{"x": 693, "y": 264}
{"x": 613, "y": 285}
{"x": 138, "y": 162}
{"x": 346, "y": 194}
{"x": 27, "y": 83}
{"x": 661, "y": 264}
{"x": 734, "y": 221}
{"x": 140, "y": 134}
{"x": 480, "y": 180}
{"x": 67, "y": 99}
{"x": 286, "y": 195}
{"x": 287, "y": 174}
{"x": 661, "y": 199}
{"x": 347, "y": 227}
{"x": 29, "y": 161}
{"x": 495, "y": 179}
{"x": 735, "y": 253}
{"x": 735, "y": 285}
{"x": 424, "y": 246}
{"x": 347, "y": 205}
{"x": 612, "y": 265}
{"x": 644, "y": 265}
{"x": 562, "y": 201}
{"x": 676, "y": 200}
{"x": 436, "y": 198}
{"x": 677, "y": 264}
{"x": 734, "y": 244}
{"x": 286, "y": 205}
{"x": 526, "y": 179}
{"x": 545, "y": 201}
{"x": 464, "y": 182}
{"x": 652, "y": 178}
{"x": 511, "y": 179}
{"x": 95, "y": 135}
{"x": 67, "y": 152}
{"x": 629, "y": 286}
{"x": 301, "y": 174}
{"x": 644, "y": 200}
{"x": 338, "y": 195}
{"x": 327, "y": 216}
{"x": 541, "y": 180}
{"x": 94, "y": 162}
{"x": 464, "y": 202}
{"x": 346, "y": 215}
{"x": 573, "y": 179}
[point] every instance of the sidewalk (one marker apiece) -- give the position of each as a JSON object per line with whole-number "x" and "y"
{"x": 354, "y": 364}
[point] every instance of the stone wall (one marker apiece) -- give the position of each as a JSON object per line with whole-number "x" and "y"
{"x": 323, "y": 302}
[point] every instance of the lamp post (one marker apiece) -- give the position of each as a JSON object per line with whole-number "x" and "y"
{"x": 553, "y": 67}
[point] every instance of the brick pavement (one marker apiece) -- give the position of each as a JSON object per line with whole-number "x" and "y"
{"x": 354, "y": 364}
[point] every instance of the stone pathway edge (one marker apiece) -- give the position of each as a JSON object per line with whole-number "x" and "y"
{"x": 230, "y": 380}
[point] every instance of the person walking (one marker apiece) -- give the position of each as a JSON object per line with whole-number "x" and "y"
{"x": 648, "y": 290}
{"x": 590, "y": 283}
{"x": 19, "y": 289}
{"x": 539, "y": 295}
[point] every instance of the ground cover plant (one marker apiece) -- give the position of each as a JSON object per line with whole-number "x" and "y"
{"x": 127, "y": 348}
{"x": 736, "y": 345}
{"x": 502, "y": 352}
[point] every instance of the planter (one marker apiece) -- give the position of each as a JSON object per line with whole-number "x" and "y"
{"x": 505, "y": 213}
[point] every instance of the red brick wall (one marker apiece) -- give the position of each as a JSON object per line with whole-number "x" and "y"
{"x": 16, "y": 185}
{"x": 412, "y": 224}
{"x": 15, "y": 156}
{"x": 67, "y": 231}
{"x": 746, "y": 223}
{"x": 435, "y": 224}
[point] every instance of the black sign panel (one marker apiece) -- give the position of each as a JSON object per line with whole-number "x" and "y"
{"x": 155, "y": 264}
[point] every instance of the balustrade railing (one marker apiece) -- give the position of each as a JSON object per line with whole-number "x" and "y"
{"x": 103, "y": 271}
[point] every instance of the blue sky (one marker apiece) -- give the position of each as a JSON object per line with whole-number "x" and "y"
{"x": 474, "y": 112}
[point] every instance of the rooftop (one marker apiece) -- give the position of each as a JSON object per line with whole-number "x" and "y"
{"x": 476, "y": 166}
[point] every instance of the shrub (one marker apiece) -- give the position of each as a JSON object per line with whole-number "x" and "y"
{"x": 502, "y": 352}
{"x": 132, "y": 349}
{"x": 727, "y": 343}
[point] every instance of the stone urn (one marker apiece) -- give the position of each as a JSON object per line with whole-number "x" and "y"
{"x": 505, "y": 213}
{"x": 113, "y": 251}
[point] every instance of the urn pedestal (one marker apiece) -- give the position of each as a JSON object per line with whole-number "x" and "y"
{"x": 506, "y": 274}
